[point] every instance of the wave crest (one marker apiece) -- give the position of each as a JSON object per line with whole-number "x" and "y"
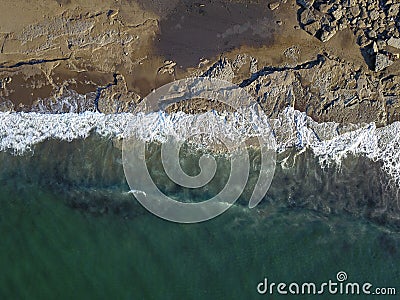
{"x": 330, "y": 142}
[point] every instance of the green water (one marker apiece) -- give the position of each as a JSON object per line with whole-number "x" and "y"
{"x": 49, "y": 251}
{"x": 52, "y": 250}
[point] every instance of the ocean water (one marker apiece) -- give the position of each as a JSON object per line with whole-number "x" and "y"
{"x": 70, "y": 229}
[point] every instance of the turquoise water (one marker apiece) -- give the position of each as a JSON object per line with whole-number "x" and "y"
{"x": 68, "y": 231}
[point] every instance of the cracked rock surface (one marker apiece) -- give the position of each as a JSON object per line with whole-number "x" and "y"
{"x": 337, "y": 60}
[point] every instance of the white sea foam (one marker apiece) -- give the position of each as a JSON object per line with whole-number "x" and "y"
{"x": 20, "y": 131}
{"x": 330, "y": 142}
{"x": 68, "y": 102}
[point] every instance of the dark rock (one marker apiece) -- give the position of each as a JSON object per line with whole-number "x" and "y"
{"x": 372, "y": 34}
{"x": 307, "y": 17}
{"x": 313, "y": 28}
{"x": 381, "y": 44}
{"x": 305, "y": 3}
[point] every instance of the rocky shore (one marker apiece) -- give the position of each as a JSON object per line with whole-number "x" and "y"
{"x": 335, "y": 60}
{"x": 374, "y": 23}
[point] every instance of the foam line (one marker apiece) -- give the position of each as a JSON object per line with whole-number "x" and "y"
{"x": 330, "y": 142}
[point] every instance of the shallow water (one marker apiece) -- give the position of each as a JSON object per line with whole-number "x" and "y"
{"x": 69, "y": 229}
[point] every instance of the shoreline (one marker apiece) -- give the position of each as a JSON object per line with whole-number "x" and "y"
{"x": 330, "y": 142}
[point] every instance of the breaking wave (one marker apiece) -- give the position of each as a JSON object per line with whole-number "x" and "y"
{"x": 330, "y": 142}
